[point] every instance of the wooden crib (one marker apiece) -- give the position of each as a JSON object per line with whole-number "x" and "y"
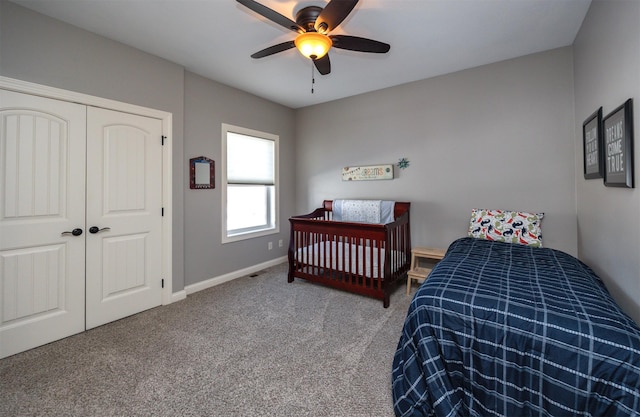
{"x": 362, "y": 258}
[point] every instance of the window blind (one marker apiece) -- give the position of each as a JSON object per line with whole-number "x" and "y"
{"x": 250, "y": 160}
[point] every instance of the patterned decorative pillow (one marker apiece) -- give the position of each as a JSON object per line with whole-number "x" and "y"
{"x": 506, "y": 226}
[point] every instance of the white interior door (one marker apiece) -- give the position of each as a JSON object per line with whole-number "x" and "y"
{"x": 124, "y": 206}
{"x": 42, "y": 196}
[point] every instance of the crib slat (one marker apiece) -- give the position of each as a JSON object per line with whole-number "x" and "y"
{"x": 344, "y": 260}
{"x": 369, "y": 271}
{"x": 380, "y": 257}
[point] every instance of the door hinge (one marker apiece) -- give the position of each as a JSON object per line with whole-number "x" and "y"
{"x": 162, "y": 282}
{"x": 163, "y": 138}
{"x": 162, "y": 211}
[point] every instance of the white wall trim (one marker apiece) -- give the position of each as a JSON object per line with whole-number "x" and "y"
{"x": 178, "y": 296}
{"x": 226, "y": 129}
{"x": 212, "y": 282}
{"x": 167, "y": 158}
{"x": 80, "y": 98}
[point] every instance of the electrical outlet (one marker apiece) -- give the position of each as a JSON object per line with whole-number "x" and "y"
{"x": 270, "y": 245}
{"x": 280, "y": 243}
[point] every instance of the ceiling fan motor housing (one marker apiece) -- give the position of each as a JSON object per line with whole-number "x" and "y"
{"x": 307, "y": 16}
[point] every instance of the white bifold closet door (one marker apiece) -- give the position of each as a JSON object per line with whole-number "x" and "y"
{"x": 80, "y": 218}
{"x": 124, "y": 205}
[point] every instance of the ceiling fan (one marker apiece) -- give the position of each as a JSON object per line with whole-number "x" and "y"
{"x": 313, "y": 25}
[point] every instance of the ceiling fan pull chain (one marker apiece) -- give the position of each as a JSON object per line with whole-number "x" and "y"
{"x": 313, "y": 80}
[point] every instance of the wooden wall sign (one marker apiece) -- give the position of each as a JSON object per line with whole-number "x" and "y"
{"x": 369, "y": 172}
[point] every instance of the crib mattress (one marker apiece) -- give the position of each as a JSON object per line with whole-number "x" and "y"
{"x": 350, "y": 258}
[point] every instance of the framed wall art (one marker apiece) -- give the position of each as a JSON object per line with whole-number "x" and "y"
{"x": 618, "y": 146}
{"x": 592, "y": 145}
{"x": 369, "y": 172}
{"x": 202, "y": 173}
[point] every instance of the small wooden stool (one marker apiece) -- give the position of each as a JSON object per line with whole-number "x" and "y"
{"x": 418, "y": 272}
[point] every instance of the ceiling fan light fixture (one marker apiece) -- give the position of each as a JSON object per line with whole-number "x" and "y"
{"x": 313, "y": 45}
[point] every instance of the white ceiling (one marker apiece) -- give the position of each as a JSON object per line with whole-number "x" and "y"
{"x": 215, "y": 38}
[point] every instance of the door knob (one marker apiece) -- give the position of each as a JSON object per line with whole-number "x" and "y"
{"x": 96, "y": 229}
{"x": 75, "y": 232}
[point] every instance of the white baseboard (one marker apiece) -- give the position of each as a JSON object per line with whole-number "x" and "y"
{"x": 178, "y": 296}
{"x": 212, "y": 282}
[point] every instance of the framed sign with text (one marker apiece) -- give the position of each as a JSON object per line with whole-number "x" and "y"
{"x": 592, "y": 145}
{"x": 370, "y": 172}
{"x": 618, "y": 146}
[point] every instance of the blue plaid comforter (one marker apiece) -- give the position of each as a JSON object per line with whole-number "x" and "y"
{"x": 501, "y": 329}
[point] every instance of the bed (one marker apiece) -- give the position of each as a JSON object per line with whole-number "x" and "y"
{"x": 505, "y": 329}
{"x": 363, "y": 255}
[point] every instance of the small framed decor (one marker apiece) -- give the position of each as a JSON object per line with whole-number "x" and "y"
{"x": 370, "y": 172}
{"x": 202, "y": 173}
{"x": 618, "y": 146}
{"x": 592, "y": 145}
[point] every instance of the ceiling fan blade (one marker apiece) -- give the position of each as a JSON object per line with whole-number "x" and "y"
{"x": 271, "y": 15}
{"x": 355, "y": 43}
{"x": 333, "y": 14}
{"x": 323, "y": 65}
{"x": 274, "y": 49}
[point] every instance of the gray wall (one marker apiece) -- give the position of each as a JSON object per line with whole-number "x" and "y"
{"x": 207, "y": 105}
{"x": 496, "y": 136}
{"x": 607, "y": 72}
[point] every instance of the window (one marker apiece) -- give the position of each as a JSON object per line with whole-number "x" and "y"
{"x": 249, "y": 183}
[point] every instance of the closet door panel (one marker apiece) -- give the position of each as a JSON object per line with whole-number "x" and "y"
{"x": 124, "y": 187}
{"x": 42, "y": 195}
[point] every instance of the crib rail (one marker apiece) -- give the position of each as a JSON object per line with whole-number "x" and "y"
{"x": 363, "y": 258}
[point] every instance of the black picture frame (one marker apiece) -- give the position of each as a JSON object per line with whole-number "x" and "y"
{"x": 617, "y": 128}
{"x": 593, "y": 155}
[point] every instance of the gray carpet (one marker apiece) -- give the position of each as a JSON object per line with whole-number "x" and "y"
{"x": 254, "y": 346}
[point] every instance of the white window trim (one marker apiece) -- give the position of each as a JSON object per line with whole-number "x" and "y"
{"x": 223, "y": 183}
